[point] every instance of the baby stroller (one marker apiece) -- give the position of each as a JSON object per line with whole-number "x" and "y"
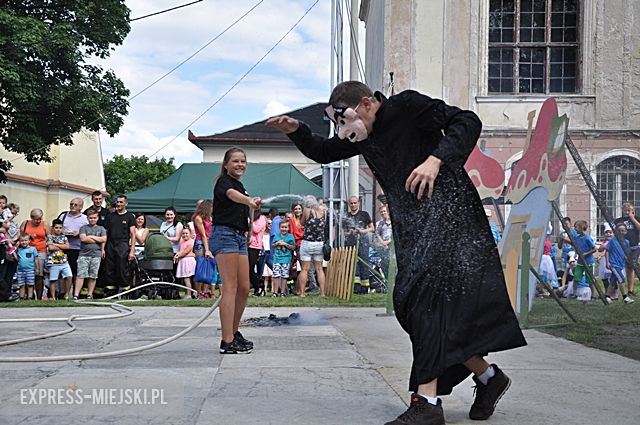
{"x": 155, "y": 264}
{"x": 377, "y": 281}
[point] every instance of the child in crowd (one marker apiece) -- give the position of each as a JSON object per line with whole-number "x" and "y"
{"x": 27, "y": 264}
{"x": 566, "y": 290}
{"x": 57, "y": 261}
{"x": 282, "y": 248}
{"x": 565, "y": 242}
{"x": 5, "y": 212}
{"x": 186, "y": 260}
{"x": 583, "y": 292}
{"x": 14, "y": 227}
{"x": 547, "y": 271}
{"x": 587, "y": 247}
{"x": 615, "y": 259}
{"x": 603, "y": 272}
{"x": 93, "y": 239}
{"x": 267, "y": 276}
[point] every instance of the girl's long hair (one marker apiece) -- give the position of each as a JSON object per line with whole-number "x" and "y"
{"x": 227, "y": 157}
{"x": 204, "y": 210}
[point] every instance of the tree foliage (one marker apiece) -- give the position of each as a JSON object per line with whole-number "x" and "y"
{"x": 124, "y": 175}
{"x": 48, "y": 90}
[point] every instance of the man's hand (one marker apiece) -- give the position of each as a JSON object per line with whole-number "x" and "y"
{"x": 424, "y": 175}
{"x": 283, "y": 123}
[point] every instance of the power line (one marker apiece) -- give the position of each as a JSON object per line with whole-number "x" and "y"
{"x": 197, "y": 51}
{"x": 163, "y": 76}
{"x": 238, "y": 81}
{"x": 163, "y": 11}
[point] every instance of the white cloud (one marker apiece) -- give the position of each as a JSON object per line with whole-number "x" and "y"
{"x": 295, "y": 74}
{"x": 138, "y": 141}
{"x": 275, "y": 108}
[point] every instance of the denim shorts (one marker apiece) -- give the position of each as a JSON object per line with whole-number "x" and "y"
{"x": 59, "y": 270}
{"x": 227, "y": 240}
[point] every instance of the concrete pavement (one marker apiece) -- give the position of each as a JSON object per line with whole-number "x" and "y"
{"x": 340, "y": 366}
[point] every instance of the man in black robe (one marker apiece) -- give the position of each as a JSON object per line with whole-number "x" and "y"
{"x": 455, "y": 310}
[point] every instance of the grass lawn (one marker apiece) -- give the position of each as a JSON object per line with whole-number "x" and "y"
{"x": 311, "y": 300}
{"x": 614, "y": 328}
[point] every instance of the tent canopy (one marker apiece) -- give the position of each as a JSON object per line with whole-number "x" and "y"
{"x": 191, "y": 182}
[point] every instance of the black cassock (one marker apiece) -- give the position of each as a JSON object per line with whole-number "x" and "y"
{"x": 450, "y": 295}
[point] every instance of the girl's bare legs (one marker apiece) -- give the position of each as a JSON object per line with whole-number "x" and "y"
{"x": 319, "y": 276}
{"x": 242, "y": 291}
{"x": 228, "y": 269}
{"x": 303, "y": 276}
{"x": 187, "y": 283}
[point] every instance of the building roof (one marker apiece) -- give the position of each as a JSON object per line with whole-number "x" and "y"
{"x": 259, "y": 133}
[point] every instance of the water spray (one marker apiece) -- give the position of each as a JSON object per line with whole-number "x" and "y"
{"x": 271, "y": 199}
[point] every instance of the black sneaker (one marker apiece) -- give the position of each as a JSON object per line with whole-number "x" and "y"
{"x": 234, "y": 347}
{"x": 420, "y": 412}
{"x": 238, "y": 337}
{"x": 487, "y": 396}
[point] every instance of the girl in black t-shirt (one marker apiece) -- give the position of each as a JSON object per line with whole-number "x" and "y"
{"x": 228, "y": 243}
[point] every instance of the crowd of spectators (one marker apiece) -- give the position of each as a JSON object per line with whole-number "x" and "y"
{"x": 613, "y": 260}
{"x": 94, "y": 247}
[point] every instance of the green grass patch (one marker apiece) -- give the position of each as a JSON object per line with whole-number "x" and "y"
{"x": 614, "y": 328}
{"x": 311, "y": 300}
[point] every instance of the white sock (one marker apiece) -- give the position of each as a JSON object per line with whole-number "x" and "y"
{"x": 486, "y": 375}
{"x": 431, "y": 400}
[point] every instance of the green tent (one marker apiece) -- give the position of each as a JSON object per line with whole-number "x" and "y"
{"x": 191, "y": 182}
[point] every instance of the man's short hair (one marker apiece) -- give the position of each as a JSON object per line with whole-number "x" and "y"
{"x": 123, "y": 197}
{"x": 96, "y": 193}
{"x": 349, "y": 93}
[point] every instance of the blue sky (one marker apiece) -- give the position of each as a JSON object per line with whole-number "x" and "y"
{"x": 295, "y": 74}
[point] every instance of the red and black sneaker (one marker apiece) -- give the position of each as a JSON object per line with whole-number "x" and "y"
{"x": 421, "y": 412}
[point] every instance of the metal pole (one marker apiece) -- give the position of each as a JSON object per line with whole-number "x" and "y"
{"x": 354, "y": 162}
{"x": 524, "y": 280}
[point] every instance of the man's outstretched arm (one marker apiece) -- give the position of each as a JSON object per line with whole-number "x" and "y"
{"x": 313, "y": 146}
